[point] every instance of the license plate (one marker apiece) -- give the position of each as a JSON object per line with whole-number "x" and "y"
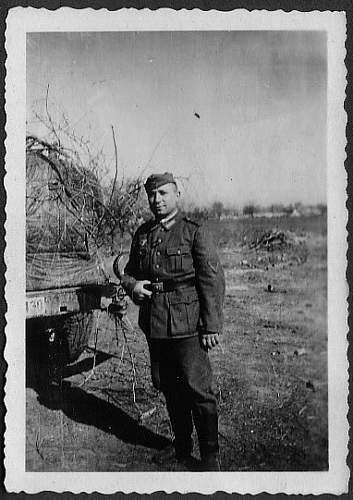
{"x": 59, "y": 302}
{"x": 35, "y": 306}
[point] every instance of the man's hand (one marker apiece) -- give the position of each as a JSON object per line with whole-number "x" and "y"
{"x": 209, "y": 340}
{"x": 140, "y": 293}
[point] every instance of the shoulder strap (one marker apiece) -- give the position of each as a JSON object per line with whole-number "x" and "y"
{"x": 192, "y": 221}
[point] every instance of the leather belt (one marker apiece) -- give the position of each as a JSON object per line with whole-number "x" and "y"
{"x": 169, "y": 285}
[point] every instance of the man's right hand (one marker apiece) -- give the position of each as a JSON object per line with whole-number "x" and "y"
{"x": 140, "y": 293}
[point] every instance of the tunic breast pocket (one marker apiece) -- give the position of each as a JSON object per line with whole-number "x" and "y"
{"x": 179, "y": 259}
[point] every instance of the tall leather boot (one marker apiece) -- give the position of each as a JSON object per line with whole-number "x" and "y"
{"x": 210, "y": 462}
{"x": 206, "y": 424}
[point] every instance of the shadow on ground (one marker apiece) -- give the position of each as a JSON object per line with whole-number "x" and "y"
{"x": 79, "y": 405}
{"x": 86, "y": 408}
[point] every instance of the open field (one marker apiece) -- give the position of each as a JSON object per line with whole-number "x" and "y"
{"x": 270, "y": 370}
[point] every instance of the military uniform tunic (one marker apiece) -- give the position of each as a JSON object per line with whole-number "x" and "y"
{"x": 178, "y": 250}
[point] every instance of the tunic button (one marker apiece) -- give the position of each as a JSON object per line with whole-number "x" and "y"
{"x": 178, "y": 252}
{"x": 157, "y": 266}
{"x": 158, "y": 253}
{"x": 159, "y": 240}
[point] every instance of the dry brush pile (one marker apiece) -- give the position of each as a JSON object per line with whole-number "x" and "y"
{"x": 77, "y": 215}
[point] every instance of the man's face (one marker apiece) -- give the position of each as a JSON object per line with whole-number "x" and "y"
{"x": 163, "y": 200}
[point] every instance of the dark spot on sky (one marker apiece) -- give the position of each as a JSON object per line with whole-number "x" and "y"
{"x": 197, "y": 115}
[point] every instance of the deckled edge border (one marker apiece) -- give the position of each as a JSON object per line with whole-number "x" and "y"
{"x": 155, "y": 5}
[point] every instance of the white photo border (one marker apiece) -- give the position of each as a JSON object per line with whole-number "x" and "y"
{"x": 19, "y": 22}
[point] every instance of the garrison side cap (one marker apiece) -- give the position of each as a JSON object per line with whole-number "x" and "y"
{"x": 155, "y": 181}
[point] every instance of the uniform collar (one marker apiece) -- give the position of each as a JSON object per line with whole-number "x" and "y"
{"x": 169, "y": 221}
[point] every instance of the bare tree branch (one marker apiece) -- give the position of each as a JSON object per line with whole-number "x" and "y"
{"x": 49, "y": 116}
{"x": 116, "y": 167}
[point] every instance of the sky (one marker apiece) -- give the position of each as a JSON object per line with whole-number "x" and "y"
{"x": 238, "y": 117}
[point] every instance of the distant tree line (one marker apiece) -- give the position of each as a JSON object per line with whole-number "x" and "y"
{"x": 218, "y": 211}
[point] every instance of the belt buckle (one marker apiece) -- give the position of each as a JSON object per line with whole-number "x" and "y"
{"x": 157, "y": 287}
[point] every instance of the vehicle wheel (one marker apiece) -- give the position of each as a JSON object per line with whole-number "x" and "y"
{"x": 75, "y": 332}
{"x": 52, "y": 343}
{"x": 38, "y": 371}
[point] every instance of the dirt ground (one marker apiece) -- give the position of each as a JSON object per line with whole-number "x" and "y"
{"x": 270, "y": 371}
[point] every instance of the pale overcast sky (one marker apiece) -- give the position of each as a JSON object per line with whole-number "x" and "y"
{"x": 260, "y": 97}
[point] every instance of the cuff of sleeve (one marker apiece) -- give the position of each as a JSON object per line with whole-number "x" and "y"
{"x": 128, "y": 283}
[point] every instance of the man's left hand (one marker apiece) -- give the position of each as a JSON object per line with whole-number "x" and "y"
{"x": 209, "y": 340}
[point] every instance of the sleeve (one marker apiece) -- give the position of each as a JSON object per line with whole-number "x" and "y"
{"x": 210, "y": 283}
{"x": 129, "y": 277}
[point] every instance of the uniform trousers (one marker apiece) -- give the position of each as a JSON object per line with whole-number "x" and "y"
{"x": 182, "y": 371}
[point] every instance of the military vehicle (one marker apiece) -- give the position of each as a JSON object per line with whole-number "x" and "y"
{"x": 65, "y": 271}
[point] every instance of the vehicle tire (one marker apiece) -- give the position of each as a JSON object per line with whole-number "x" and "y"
{"x": 38, "y": 370}
{"x": 52, "y": 343}
{"x": 75, "y": 333}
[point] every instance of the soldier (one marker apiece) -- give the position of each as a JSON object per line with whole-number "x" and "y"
{"x": 174, "y": 274}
